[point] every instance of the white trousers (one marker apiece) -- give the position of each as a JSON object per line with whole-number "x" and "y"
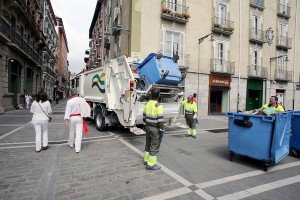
{"x": 75, "y": 132}
{"x": 41, "y": 127}
{"x": 27, "y": 104}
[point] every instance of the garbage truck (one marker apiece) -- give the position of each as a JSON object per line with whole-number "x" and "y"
{"x": 118, "y": 91}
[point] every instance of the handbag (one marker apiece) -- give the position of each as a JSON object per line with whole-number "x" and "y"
{"x": 49, "y": 118}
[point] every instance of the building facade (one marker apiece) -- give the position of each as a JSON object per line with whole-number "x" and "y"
{"x": 236, "y": 53}
{"x": 62, "y": 85}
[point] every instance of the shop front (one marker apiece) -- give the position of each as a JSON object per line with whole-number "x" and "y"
{"x": 219, "y": 87}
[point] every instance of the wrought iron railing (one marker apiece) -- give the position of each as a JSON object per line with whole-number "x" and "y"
{"x": 257, "y": 71}
{"x": 256, "y": 34}
{"x": 284, "y": 42}
{"x": 221, "y": 66}
{"x": 29, "y": 16}
{"x": 174, "y": 9}
{"x": 183, "y": 59}
{"x": 283, "y": 75}
{"x": 222, "y": 24}
{"x": 5, "y": 28}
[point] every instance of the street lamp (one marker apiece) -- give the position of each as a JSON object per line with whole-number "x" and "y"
{"x": 272, "y": 60}
{"x": 200, "y": 40}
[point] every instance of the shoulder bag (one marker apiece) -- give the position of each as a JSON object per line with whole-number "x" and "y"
{"x": 49, "y": 118}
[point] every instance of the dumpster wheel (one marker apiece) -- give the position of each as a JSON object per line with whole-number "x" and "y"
{"x": 266, "y": 166}
{"x": 231, "y": 156}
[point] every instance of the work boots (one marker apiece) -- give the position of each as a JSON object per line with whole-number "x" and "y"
{"x": 154, "y": 167}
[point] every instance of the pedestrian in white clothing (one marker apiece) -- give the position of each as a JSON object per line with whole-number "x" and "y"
{"x": 74, "y": 119}
{"x": 41, "y": 109}
{"x": 27, "y": 99}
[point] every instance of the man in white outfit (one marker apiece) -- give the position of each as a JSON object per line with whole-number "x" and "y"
{"x": 27, "y": 99}
{"x": 73, "y": 119}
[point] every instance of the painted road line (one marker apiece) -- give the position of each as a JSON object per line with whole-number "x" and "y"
{"x": 8, "y": 125}
{"x": 245, "y": 175}
{"x": 15, "y": 130}
{"x": 261, "y": 188}
{"x": 171, "y": 194}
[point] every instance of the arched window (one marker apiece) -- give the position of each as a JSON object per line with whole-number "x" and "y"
{"x": 29, "y": 80}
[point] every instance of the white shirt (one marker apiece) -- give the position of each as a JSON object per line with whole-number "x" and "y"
{"x": 38, "y": 114}
{"x": 73, "y": 107}
{"x": 28, "y": 97}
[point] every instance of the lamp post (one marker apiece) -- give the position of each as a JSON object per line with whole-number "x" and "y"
{"x": 272, "y": 60}
{"x": 200, "y": 40}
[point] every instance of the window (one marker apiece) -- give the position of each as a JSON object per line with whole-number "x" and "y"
{"x": 221, "y": 14}
{"x": 175, "y": 5}
{"x": 220, "y": 53}
{"x": 172, "y": 42}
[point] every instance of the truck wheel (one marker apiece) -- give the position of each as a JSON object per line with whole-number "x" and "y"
{"x": 100, "y": 121}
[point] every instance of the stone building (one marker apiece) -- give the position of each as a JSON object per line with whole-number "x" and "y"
{"x": 236, "y": 53}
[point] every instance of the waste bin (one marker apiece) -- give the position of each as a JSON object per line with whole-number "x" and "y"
{"x": 295, "y": 136}
{"x": 159, "y": 70}
{"x": 259, "y": 137}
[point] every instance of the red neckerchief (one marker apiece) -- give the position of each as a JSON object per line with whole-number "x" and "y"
{"x": 74, "y": 96}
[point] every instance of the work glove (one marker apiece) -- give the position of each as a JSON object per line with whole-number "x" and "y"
{"x": 161, "y": 133}
{"x": 195, "y": 116}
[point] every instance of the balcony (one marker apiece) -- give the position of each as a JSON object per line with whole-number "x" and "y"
{"x": 284, "y": 11}
{"x": 5, "y": 31}
{"x": 283, "y": 75}
{"x": 259, "y": 4}
{"x": 218, "y": 66}
{"x": 49, "y": 71}
{"x": 256, "y": 36}
{"x": 174, "y": 12}
{"x": 107, "y": 43}
{"x": 284, "y": 43}
{"x": 258, "y": 72}
{"x": 222, "y": 26}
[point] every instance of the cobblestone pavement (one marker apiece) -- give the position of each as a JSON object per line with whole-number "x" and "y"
{"x": 110, "y": 165}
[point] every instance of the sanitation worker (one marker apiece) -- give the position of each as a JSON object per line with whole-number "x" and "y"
{"x": 190, "y": 108}
{"x": 154, "y": 120}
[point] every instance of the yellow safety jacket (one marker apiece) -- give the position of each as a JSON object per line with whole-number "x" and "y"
{"x": 190, "y": 108}
{"x": 153, "y": 114}
{"x": 279, "y": 108}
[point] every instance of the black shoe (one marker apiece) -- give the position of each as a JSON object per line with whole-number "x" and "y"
{"x": 154, "y": 167}
{"x": 194, "y": 136}
{"x": 39, "y": 151}
{"x": 145, "y": 163}
{"x": 188, "y": 135}
{"x": 45, "y": 148}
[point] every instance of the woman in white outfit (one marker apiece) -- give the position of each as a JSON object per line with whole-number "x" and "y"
{"x": 27, "y": 99}
{"x": 40, "y": 107}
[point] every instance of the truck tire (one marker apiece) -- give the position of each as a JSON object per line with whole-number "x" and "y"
{"x": 100, "y": 121}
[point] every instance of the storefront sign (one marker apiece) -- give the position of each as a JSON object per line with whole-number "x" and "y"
{"x": 223, "y": 81}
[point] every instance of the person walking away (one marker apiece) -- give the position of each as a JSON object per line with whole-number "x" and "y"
{"x": 56, "y": 98}
{"x": 195, "y": 100}
{"x": 190, "y": 108}
{"x": 41, "y": 109}
{"x": 27, "y": 100}
{"x": 153, "y": 118}
{"x": 74, "y": 119}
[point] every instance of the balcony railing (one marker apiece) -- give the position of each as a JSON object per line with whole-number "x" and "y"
{"x": 49, "y": 71}
{"x": 5, "y": 28}
{"x": 284, "y": 42}
{"x": 283, "y": 75}
{"x": 29, "y": 16}
{"x": 284, "y": 11}
{"x": 221, "y": 66}
{"x": 174, "y": 12}
{"x": 183, "y": 61}
{"x": 257, "y": 36}
{"x": 223, "y": 26}
{"x": 257, "y": 4}
{"x": 257, "y": 71}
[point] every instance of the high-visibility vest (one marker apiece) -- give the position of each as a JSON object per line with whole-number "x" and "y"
{"x": 190, "y": 108}
{"x": 153, "y": 114}
{"x": 277, "y": 108}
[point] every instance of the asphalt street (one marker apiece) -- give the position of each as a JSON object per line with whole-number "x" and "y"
{"x": 110, "y": 165}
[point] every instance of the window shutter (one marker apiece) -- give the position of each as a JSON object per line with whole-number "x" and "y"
{"x": 162, "y": 40}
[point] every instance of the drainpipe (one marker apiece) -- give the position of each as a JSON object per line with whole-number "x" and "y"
{"x": 240, "y": 55}
{"x": 295, "y": 49}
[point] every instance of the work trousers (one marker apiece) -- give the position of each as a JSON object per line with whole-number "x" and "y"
{"x": 27, "y": 104}
{"x": 41, "y": 127}
{"x": 152, "y": 140}
{"x": 190, "y": 121}
{"x": 75, "y": 132}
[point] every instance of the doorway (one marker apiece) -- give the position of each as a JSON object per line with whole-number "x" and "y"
{"x": 218, "y": 101}
{"x": 254, "y": 99}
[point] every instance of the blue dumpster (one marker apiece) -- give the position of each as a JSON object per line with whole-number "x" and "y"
{"x": 295, "y": 137}
{"x": 162, "y": 70}
{"x": 260, "y": 137}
